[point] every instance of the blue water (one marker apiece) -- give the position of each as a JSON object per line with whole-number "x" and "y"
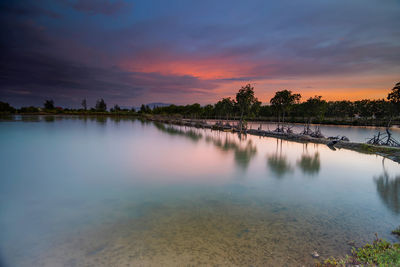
{"x": 121, "y": 192}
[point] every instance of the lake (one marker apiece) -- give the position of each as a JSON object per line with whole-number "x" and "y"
{"x": 81, "y": 191}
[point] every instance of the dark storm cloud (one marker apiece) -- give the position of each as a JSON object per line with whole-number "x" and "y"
{"x": 125, "y": 50}
{"x": 32, "y": 69}
{"x": 26, "y": 8}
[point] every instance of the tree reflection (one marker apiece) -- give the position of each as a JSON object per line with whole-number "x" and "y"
{"x": 388, "y": 189}
{"x": 28, "y": 118}
{"x": 278, "y": 163}
{"x": 309, "y": 164}
{"x": 49, "y": 118}
{"x": 102, "y": 120}
{"x": 242, "y": 154}
{"x": 192, "y": 135}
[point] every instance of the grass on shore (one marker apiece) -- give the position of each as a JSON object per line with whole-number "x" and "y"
{"x": 379, "y": 253}
{"x": 377, "y": 149}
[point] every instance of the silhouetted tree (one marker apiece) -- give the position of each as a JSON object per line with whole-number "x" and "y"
{"x": 193, "y": 110}
{"x": 101, "y": 106}
{"x": 49, "y": 104}
{"x": 145, "y": 109}
{"x": 282, "y": 101}
{"x": 208, "y": 111}
{"x": 116, "y": 108}
{"x": 245, "y": 99}
{"x": 315, "y": 107}
{"x": 84, "y": 104}
{"x": 225, "y": 107}
{"x": 394, "y": 98}
{"x": 6, "y": 108}
{"x": 30, "y": 109}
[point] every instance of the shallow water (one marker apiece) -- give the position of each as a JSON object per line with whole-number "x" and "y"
{"x": 106, "y": 192}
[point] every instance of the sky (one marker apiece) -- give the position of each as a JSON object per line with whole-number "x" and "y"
{"x": 182, "y": 52}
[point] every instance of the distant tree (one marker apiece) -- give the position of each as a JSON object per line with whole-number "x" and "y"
{"x": 49, "y": 104}
{"x": 283, "y": 101}
{"x": 266, "y": 111}
{"x": 84, "y": 104}
{"x": 380, "y": 108}
{"x": 208, "y": 111}
{"x": 145, "y": 109}
{"x": 315, "y": 107}
{"x": 116, "y": 108}
{"x": 101, "y": 106}
{"x": 394, "y": 98}
{"x": 193, "y": 110}
{"x": 225, "y": 107}
{"x": 142, "y": 109}
{"x": 30, "y": 109}
{"x": 6, "y": 108}
{"x": 245, "y": 99}
{"x": 363, "y": 108}
{"x": 255, "y": 109}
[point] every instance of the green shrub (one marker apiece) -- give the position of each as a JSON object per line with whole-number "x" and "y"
{"x": 379, "y": 253}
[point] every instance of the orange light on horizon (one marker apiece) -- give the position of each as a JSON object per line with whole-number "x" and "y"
{"x": 222, "y": 72}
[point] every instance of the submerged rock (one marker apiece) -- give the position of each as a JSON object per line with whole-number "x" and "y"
{"x": 315, "y": 254}
{"x": 332, "y": 143}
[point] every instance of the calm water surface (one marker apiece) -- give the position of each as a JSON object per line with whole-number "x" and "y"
{"x": 107, "y": 192}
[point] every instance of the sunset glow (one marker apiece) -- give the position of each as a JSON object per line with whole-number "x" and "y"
{"x": 134, "y": 52}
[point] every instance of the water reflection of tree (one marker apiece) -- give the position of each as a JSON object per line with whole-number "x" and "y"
{"x": 309, "y": 164}
{"x": 49, "y": 118}
{"x": 194, "y": 136}
{"x": 242, "y": 154}
{"x": 102, "y": 120}
{"x": 278, "y": 162}
{"x": 388, "y": 189}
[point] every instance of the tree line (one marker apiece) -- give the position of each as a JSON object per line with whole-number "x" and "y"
{"x": 285, "y": 106}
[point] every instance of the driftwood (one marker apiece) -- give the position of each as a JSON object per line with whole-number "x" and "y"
{"x": 337, "y": 138}
{"x": 307, "y": 130}
{"x": 316, "y": 133}
{"x": 384, "y": 139}
{"x": 283, "y": 129}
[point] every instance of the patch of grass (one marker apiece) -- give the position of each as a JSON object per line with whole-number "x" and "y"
{"x": 379, "y": 253}
{"x": 377, "y": 149}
